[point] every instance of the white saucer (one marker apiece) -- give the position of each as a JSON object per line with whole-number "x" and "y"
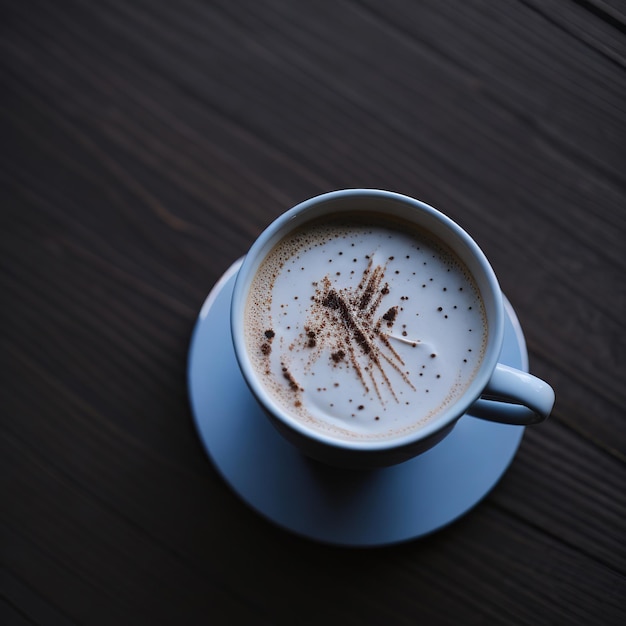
{"x": 341, "y": 507}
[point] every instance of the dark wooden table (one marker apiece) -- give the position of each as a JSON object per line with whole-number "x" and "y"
{"x": 145, "y": 144}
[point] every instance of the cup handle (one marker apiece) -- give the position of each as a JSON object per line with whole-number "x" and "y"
{"x": 514, "y": 397}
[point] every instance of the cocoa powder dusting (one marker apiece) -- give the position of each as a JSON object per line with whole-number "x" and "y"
{"x": 353, "y": 328}
{"x": 390, "y": 315}
{"x": 293, "y": 385}
{"x": 266, "y": 346}
{"x": 338, "y": 356}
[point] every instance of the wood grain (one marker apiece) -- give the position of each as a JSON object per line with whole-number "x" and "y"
{"x": 144, "y": 147}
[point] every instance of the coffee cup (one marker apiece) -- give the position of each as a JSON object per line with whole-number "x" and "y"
{"x": 367, "y": 323}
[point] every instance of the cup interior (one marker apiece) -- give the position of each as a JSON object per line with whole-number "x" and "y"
{"x": 408, "y": 209}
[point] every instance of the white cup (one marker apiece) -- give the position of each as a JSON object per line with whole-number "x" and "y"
{"x": 496, "y": 392}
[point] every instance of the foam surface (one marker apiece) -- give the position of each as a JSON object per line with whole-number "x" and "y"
{"x": 364, "y": 329}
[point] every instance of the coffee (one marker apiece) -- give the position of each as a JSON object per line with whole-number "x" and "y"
{"x": 363, "y": 326}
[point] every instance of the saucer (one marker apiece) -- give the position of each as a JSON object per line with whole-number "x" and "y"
{"x": 340, "y": 507}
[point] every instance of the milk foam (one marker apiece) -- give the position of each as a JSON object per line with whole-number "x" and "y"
{"x": 364, "y": 329}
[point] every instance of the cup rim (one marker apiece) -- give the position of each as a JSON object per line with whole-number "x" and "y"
{"x": 446, "y": 417}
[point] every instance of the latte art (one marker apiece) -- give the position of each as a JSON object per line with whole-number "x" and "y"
{"x": 364, "y": 329}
